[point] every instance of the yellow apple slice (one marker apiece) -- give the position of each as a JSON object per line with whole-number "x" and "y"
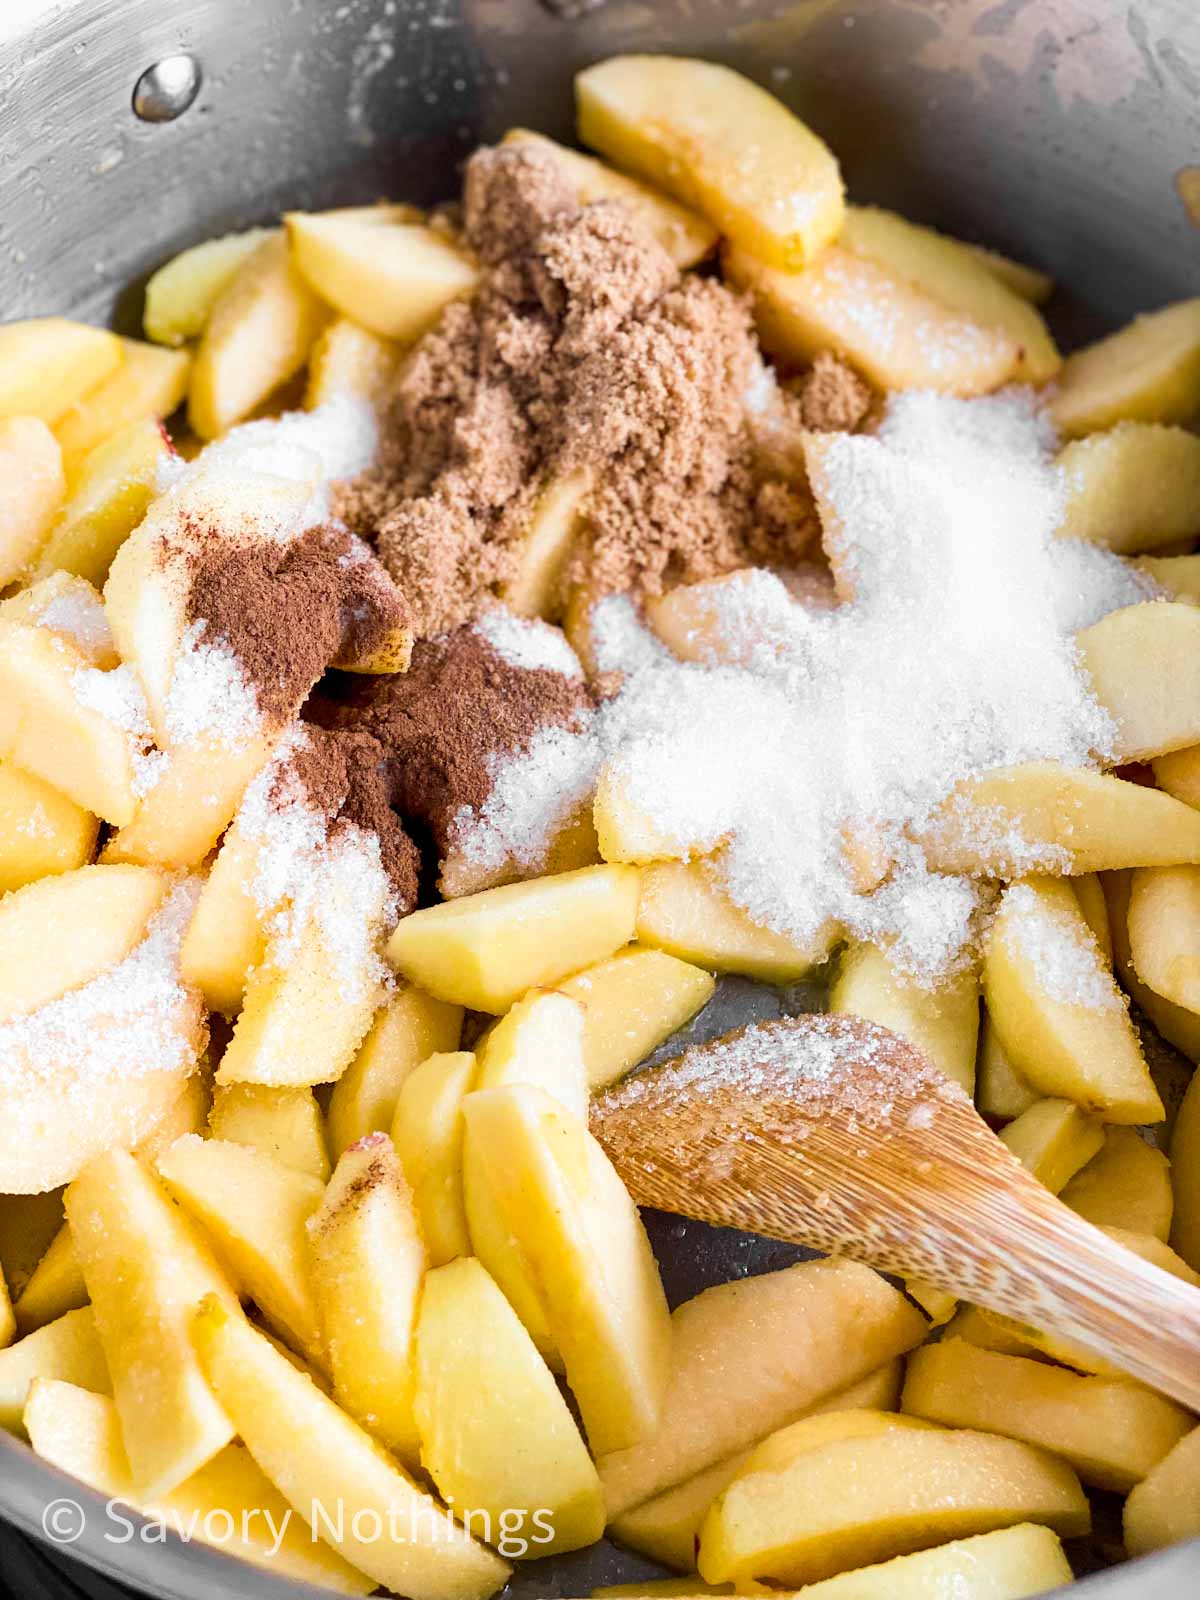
{"x": 1132, "y": 489}
{"x": 1148, "y": 372}
{"x": 1064, "y": 819}
{"x": 685, "y": 235}
{"x": 1179, "y": 576}
{"x": 684, "y": 911}
{"x": 254, "y": 1209}
{"x": 486, "y": 949}
{"x": 112, "y": 487}
{"x": 1164, "y": 932}
{"x": 49, "y": 363}
{"x": 894, "y": 334}
{"x": 1029, "y": 282}
{"x": 428, "y": 1135}
{"x": 952, "y": 273}
{"x": 258, "y": 335}
{"x": 1185, "y": 1177}
{"x": 1056, "y": 1007}
{"x": 284, "y": 1124}
{"x": 539, "y": 1041}
{"x": 146, "y": 1267}
{"x": 8, "y": 1321}
{"x": 1089, "y": 891}
{"x": 368, "y": 1264}
{"x": 1142, "y": 664}
{"x": 480, "y": 1385}
{"x": 1111, "y": 1430}
{"x": 393, "y": 278}
{"x": 350, "y": 360}
{"x": 334, "y": 1474}
{"x": 32, "y": 486}
{"x": 147, "y": 386}
{"x": 1127, "y": 1184}
{"x": 228, "y": 1502}
{"x": 226, "y": 937}
{"x": 410, "y": 1028}
{"x": 181, "y": 294}
{"x": 632, "y": 1003}
{"x": 1181, "y": 1028}
{"x": 41, "y": 831}
{"x": 1000, "y": 1090}
{"x": 1052, "y": 1140}
{"x": 788, "y": 1339}
{"x": 573, "y": 1221}
{"x": 1165, "y": 1507}
{"x": 857, "y": 1500}
{"x": 942, "y": 1022}
{"x": 547, "y": 545}
{"x": 67, "y": 1348}
{"x": 718, "y": 142}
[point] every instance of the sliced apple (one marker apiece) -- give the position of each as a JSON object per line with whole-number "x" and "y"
{"x": 481, "y": 1384}
{"x": 226, "y": 937}
{"x": 1164, "y": 1508}
{"x": 573, "y": 1221}
{"x": 350, "y": 360}
{"x": 334, "y": 1474}
{"x": 953, "y": 274}
{"x": 181, "y": 294}
{"x": 411, "y": 1027}
{"x": 41, "y": 831}
{"x": 147, "y": 386}
{"x": 284, "y": 1124}
{"x": 547, "y": 545}
{"x": 942, "y": 1022}
{"x": 1089, "y": 891}
{"x": 49, "y": 363}
{"x": 67, "y": 1348}
{"x": 69, "y": 607}
{"x": 894, "y": 334}
{"x": 1067, "y": 819}
{"x": 1000, "y": 1090}
{"x": 1127, "y": 1184}
{"x": 539, "y": 1041}
{"x": 684, "y": 911}
{"x": 685, "y": 235}
{"x": 393, "y": 278}
{"x": 787, "y": 1339}
{"x": 1181, "y": 1028}
{"x": 1142, "y": 664}
{"x": 1053, "y": 1139}
{"x": 1179, "y": 576}
{"x": 632, "y": 1003}
{"x": 718, "y": 142}
{"x": 8, "y": 1321}
{"x": 1056, "y": 1009}
{"x": 258, "y": 334}
{"x": 428, "y": 1135}
{"x": 1112, "y": 1431}
{"x": 1164, "y": 932}
{"x": 112, "y": 487}
{"x": 1148, "y": 372}
{"x": 1133, "y": 489}
{"x": 1029, "y": 282}
{"x": 486, "y": 949}
{"x": 1185, "y": 1177}
{"x": 32, "y": 486}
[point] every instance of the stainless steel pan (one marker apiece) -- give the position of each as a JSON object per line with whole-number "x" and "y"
{"x": 1064, "y": 131}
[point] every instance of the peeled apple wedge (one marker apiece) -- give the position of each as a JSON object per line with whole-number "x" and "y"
{"x": 1056, "y": 1008}
{"x": 350, "y": 360}
{"x": 684, "y": 911}
{"x": 1000, "y": 1091}
{"x": 32, "y": 486}
{"x": 226, "y": 936}
{"x": 147, "y": 1266}
{"x": 1052, "y": 1140}
{"x": 486, "y": 949}
{"x": 284, "y": 1124}
{"x": 393, "y": 278}
{"x": 258, "y": 335}
{"x": 942, "y": 1022}
{"x": 42, "y": 832}
{"x": 685, "y": 235}
{"x": 1178, "y": 575}
{"x": 1031, "y": 283}
{"x": 428, "y": 1135}
{"x": 572, "y": 1220}
{"x": 67, "y": 1348}
{"x": 1181, "y": 1028}
{"x": 47, "y": 364}
{"x": 895, "y": 334}
{"x": 1070, "y": 819}
{"x": 1144, "y": 666}
{"x": 857, "y": 1500}
{"x": 1133, "y": 489}
{"x": 632, "y": 1002}
{"x": 539, "y": 1041}
{"x": 181, "y": 294}
{"x": 718, "y": 142}
{"x": 70, "y": 608}
{"x": 547, "y": 545}
{"x": 80, "y": 1433}
{"x": 496, "y": 1434}
{"x": 1089, "y": 891}
{"x": 1127, "y": 1184}
{"x": 321, "y": 1460}
{"x": 409, "y": 1028}
{"x": 254, "y": 1209}
{"x": 147, "y": 386}
{"x": 1148, "y": 372}
{"x": 1185, "y": 1177}
{"x": 113, "y": 485}
{"x": 1164, "y": 932}
{"x": 786, "y": 1340}
{"x": 368, "y": 1264}
{"x": 953, "y": 274}
{"x": 1165, "y": 1507}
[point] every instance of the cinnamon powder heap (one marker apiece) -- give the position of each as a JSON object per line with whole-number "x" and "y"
{"x": 583, "y": 348}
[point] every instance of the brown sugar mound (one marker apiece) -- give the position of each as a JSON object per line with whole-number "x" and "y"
{"x": 583, "y": 348}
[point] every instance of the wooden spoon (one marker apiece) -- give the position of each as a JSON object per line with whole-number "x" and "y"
{"x": 834, "y": 1133}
